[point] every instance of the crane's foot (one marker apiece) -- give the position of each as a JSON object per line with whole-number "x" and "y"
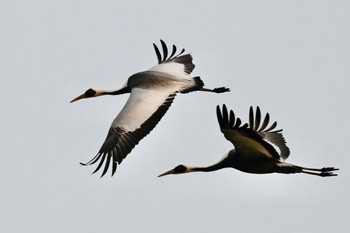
{"x": 329, "y": 169}
{"x": 324, "y": 172}
{"x": 221, "y": 89}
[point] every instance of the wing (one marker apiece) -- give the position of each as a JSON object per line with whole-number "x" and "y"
{"x": 253, "y": 139}
{"x": 139, "y": 116}
{"x": 180, "y": 65}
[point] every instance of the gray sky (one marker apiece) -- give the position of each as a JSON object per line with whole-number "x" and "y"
{"x": 291, "y": 58}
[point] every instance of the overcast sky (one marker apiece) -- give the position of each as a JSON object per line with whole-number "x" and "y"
{"x": 292, "y": 58}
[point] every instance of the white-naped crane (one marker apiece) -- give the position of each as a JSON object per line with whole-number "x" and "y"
{"x": 258, "y": 149}
{"x": 152, "y": 92}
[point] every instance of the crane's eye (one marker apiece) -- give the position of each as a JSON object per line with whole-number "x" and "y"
{"x": 90, "y": 93}
{"x": 180, "y": 169}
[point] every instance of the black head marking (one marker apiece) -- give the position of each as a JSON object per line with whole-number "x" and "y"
{"x": 90, "y": 92}
{"x": 180, "y": 169}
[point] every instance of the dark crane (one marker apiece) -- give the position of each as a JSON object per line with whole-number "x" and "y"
{"x": 258, "y": 149}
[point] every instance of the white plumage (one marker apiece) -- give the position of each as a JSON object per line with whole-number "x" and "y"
{"x": 152, "y": 92}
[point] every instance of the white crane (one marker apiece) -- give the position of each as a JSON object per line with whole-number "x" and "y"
{"x": 152, "y": 92}
{"x": 258, "y": 149}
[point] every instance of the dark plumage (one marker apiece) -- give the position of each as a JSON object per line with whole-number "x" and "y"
{"x": 258, "y": 149}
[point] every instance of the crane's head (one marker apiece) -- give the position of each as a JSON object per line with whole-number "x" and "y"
{"x": 180, "y": 169}
{"x": 88, "y": 94}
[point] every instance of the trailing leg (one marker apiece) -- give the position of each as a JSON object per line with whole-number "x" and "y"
{"x": 290, "y": 168}
{"x": 325, "y": 171}
{"x": 216, "y": 90}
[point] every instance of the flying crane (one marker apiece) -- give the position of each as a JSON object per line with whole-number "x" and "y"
{"x": 152, "y": 93}
{"x": 257, "y": 149}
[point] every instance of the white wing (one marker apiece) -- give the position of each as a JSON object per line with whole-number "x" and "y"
{"x": 139, "y": 116}
{"x": 140, "y": 106}
{"x": 152, "y": 93}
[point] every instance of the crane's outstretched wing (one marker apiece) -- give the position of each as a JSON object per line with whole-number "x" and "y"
{"x": 175, "y": 64}
{"x": 139, "y": 116}
{"x": 254, "y": 138}
{"x": 152, "y": 93}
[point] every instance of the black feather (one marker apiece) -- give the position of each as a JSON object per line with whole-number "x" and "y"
{"x": 232, "y": 120}
{"x": 100, "y": 164}
{"x": 251, "y": 118}
{"x": 173, "y": 52}
{"x": 106, "y": 164}
{"x": 158, "y": 53}
{"x": 257, "y": 118}
{"x": 265, "y": 123}
{"x": 218, "y": 115}
{"x": 165, "y": 50}
{"x": 271, "y": 127}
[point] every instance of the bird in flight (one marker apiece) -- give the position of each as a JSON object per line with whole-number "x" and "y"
{"x": 151, "y": 94}
{"x": 258, "y": 149}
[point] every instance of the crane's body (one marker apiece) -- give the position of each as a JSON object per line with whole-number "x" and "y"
{"x": 151, "y": 94}
{"x": 257, "y": 149}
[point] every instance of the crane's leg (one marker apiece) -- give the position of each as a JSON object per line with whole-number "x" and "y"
{"x": 216, "y": 90}
{"x": 326, "y": 171}
{"x": 290, "y": 168}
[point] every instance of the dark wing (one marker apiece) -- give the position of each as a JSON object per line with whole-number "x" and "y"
{"x": 186, "y": 59}
{"x": 139, "y": 116}
{"x": 253, "y": 137}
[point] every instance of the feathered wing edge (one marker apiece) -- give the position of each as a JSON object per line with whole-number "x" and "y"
{"x": 119, "y": 143}
{"x": 273, "y": 137}
{"x": 186, "y": 59}
{"x": 228, "y": 120}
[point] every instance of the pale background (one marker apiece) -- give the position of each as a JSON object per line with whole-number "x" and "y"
{"x": 292, "y": 58}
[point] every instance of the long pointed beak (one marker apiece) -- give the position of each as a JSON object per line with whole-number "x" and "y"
{"x": 78, "y": 98}
{"x": 172, "y": 171}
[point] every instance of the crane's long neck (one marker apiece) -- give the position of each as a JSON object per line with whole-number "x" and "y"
{"x": 118, "y": 92}
{"x": 220, "y": 165}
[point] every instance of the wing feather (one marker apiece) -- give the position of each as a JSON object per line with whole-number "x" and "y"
{"x": 248, "y": 139}
{"x": 139, "y": 116}
{"x": 165, "y": 50}
{"x": 109, "y": 155}
{"x": 159, "y": 57}
{"x": 251, "y": 118}
{"x": 232, "y": 119}
{"x": 271, "y": 127}
{"x": 173, "y": 52}
{"x": 265, "y": 123}
{"x": 175, "y": 64}
{"x": 257, "y": 119}
{"x": 100, "y": 163}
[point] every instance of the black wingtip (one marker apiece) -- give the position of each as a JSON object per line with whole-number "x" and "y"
{"x": 165, "y": 50}
{"x": 173, "y": 52}
{"x": 219, "y": 116}
{"x": 251, "y": 118}
{"x": 106, "y": 165}
{"x": 114, "y": 167}
{"x": 159, "y": 57}
{"x": 257, "y": 118}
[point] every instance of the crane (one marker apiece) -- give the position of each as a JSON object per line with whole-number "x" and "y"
{"x": 257, "y": 149}
{"x": 151, "y": 94}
